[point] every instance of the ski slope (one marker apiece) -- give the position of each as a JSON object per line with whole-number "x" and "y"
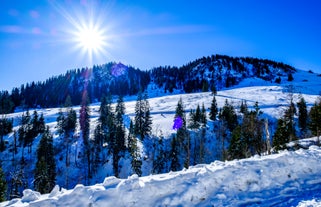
{"x": 290, "y": 178}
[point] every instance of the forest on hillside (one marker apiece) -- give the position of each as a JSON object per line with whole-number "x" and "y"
{"x": 204, "y": 74}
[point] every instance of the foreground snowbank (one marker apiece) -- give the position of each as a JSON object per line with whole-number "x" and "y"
{"x": 283, "y": 179}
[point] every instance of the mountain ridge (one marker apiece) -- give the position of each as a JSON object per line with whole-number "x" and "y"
{"x": 210, "y": 73}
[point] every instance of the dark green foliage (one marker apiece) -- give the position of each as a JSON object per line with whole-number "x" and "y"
{"x": 247, "y": 138}
{"x": 237, "y": 148}
{"x": 198, "y": 118}
{"x": 5, "y": 128}
{"x": 243, "y": 108}
{"x": 289, "y": 120}
{"x": 134, "y": 151}
{"x": 107, "y": 120}
{"x": 84, "y": 122}
{"x": 143, "y": 120}
{"x": 3, "y": 186}
{"x": 6, "y": 103}
{"x": 281, "y": 136}
{"x": 228, "y": 116}
{"x": 174, "y": 154}
{"x": 315, "y": 119}
{"x": 290, "y": 77}
{"x": 203, "y": 118}
{"x": 45, "y": 171}
{"x": 303, "y": 115}
{"x": 213, "y": 110}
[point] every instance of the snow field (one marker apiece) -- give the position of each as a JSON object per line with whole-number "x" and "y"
{"x": 282, "y": 179}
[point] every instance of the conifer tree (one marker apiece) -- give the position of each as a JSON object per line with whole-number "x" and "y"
{"x": 3, "y": 186}
{"x": 147, "y": 127}
{"x": 315, "y": 117}
{"x": 107, "y": 120}
{"x": 182, "y": 136}
{"x": 41, "y": 124}
{"x": 281, "y": 135}
{"x": 289, "y": 120}
{"x": 303, "y": 115}
{"x": 237, "y": 147}
{"x": 134, "y": 151}
{"x": 203, "y": 116}
{"x": 175, "y": 166}
{"x": 5, "y": 128}
{"x": 143, "y": 120}
{"x": 45, "y": 171}
{"x": 213, "y": 110}
{"x": 119, "y": 138}
{"x": 228, "y": 116}
{"x": 84, "y": 123}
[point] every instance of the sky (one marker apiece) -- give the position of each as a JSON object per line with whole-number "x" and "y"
{"x": 43, "y": 38}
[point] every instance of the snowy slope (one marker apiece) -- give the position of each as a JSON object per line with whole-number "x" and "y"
{"x": 221, "y": 183}
{"x": 283, "y": 179}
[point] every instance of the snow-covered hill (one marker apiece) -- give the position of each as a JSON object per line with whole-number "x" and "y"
{"x": 256, "y": 181}
{"x": 284, "y": 179}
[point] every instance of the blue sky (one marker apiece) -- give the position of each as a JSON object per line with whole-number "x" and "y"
{"x": 37, "y": 38}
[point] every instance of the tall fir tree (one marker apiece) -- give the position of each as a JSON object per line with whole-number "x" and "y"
{"x": 213, "y": 110}
{"x": 302, "y": 115}
{"x": 315, "y": 117}
{"x": 119, "y": 138}
{"x": 143, "y": 120}
{"x": 136, "y": 161}
{"x": 281, "y": 135}
{"x": 45, "y": 171}
{"x": 228, "y": 116}
{"x": 3, "y": 186}
{"x": 84, "y": 122}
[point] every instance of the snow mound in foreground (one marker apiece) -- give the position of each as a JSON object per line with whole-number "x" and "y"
{"x": 287, "y": 179}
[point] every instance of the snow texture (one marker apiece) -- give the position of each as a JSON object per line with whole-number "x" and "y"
{"x": 290, "y": 178}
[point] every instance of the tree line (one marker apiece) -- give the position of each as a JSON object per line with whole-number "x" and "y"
{"x": 203, "y": 74}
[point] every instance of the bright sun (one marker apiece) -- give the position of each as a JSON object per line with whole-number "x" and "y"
{"x": 90, "y": 39}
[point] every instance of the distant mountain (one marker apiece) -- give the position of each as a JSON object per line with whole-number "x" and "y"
{"x": 205, "y": 74}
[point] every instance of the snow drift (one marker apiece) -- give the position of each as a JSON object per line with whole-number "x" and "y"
{"x": 283, "y": 179}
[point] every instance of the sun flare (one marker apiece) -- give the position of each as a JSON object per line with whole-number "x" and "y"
{"x": 90, "y": 39}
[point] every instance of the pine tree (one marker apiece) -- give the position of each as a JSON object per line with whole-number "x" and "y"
{"x": 147, "y": 127}
{"x": 315, "y": 117}
{"x": 303, "y": 115}
{"x": 5, "y": 128}
{"x": 143, "y": 120}
{"x": 175, "y": 166}
{"x": 228, "y": 116}
{"x": 237, "y": 147}
{"x": 107, "y": 120}
{"x": 243, "y": 107}
{"x": 281, "y": 136}
{"x": 289, "y": 120}
{"x": 203, "y": 116}
{"x": 119, "y": 139}
{"x": 3, "y": 186}
{"x": 84, "y": 123}
{"x": 213, "y": 110}
{"x": 134, "y": 151}
{"x": 41, "y": 124}
{"x": 139, "y": 115}
{"x": 45, "y": 171}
